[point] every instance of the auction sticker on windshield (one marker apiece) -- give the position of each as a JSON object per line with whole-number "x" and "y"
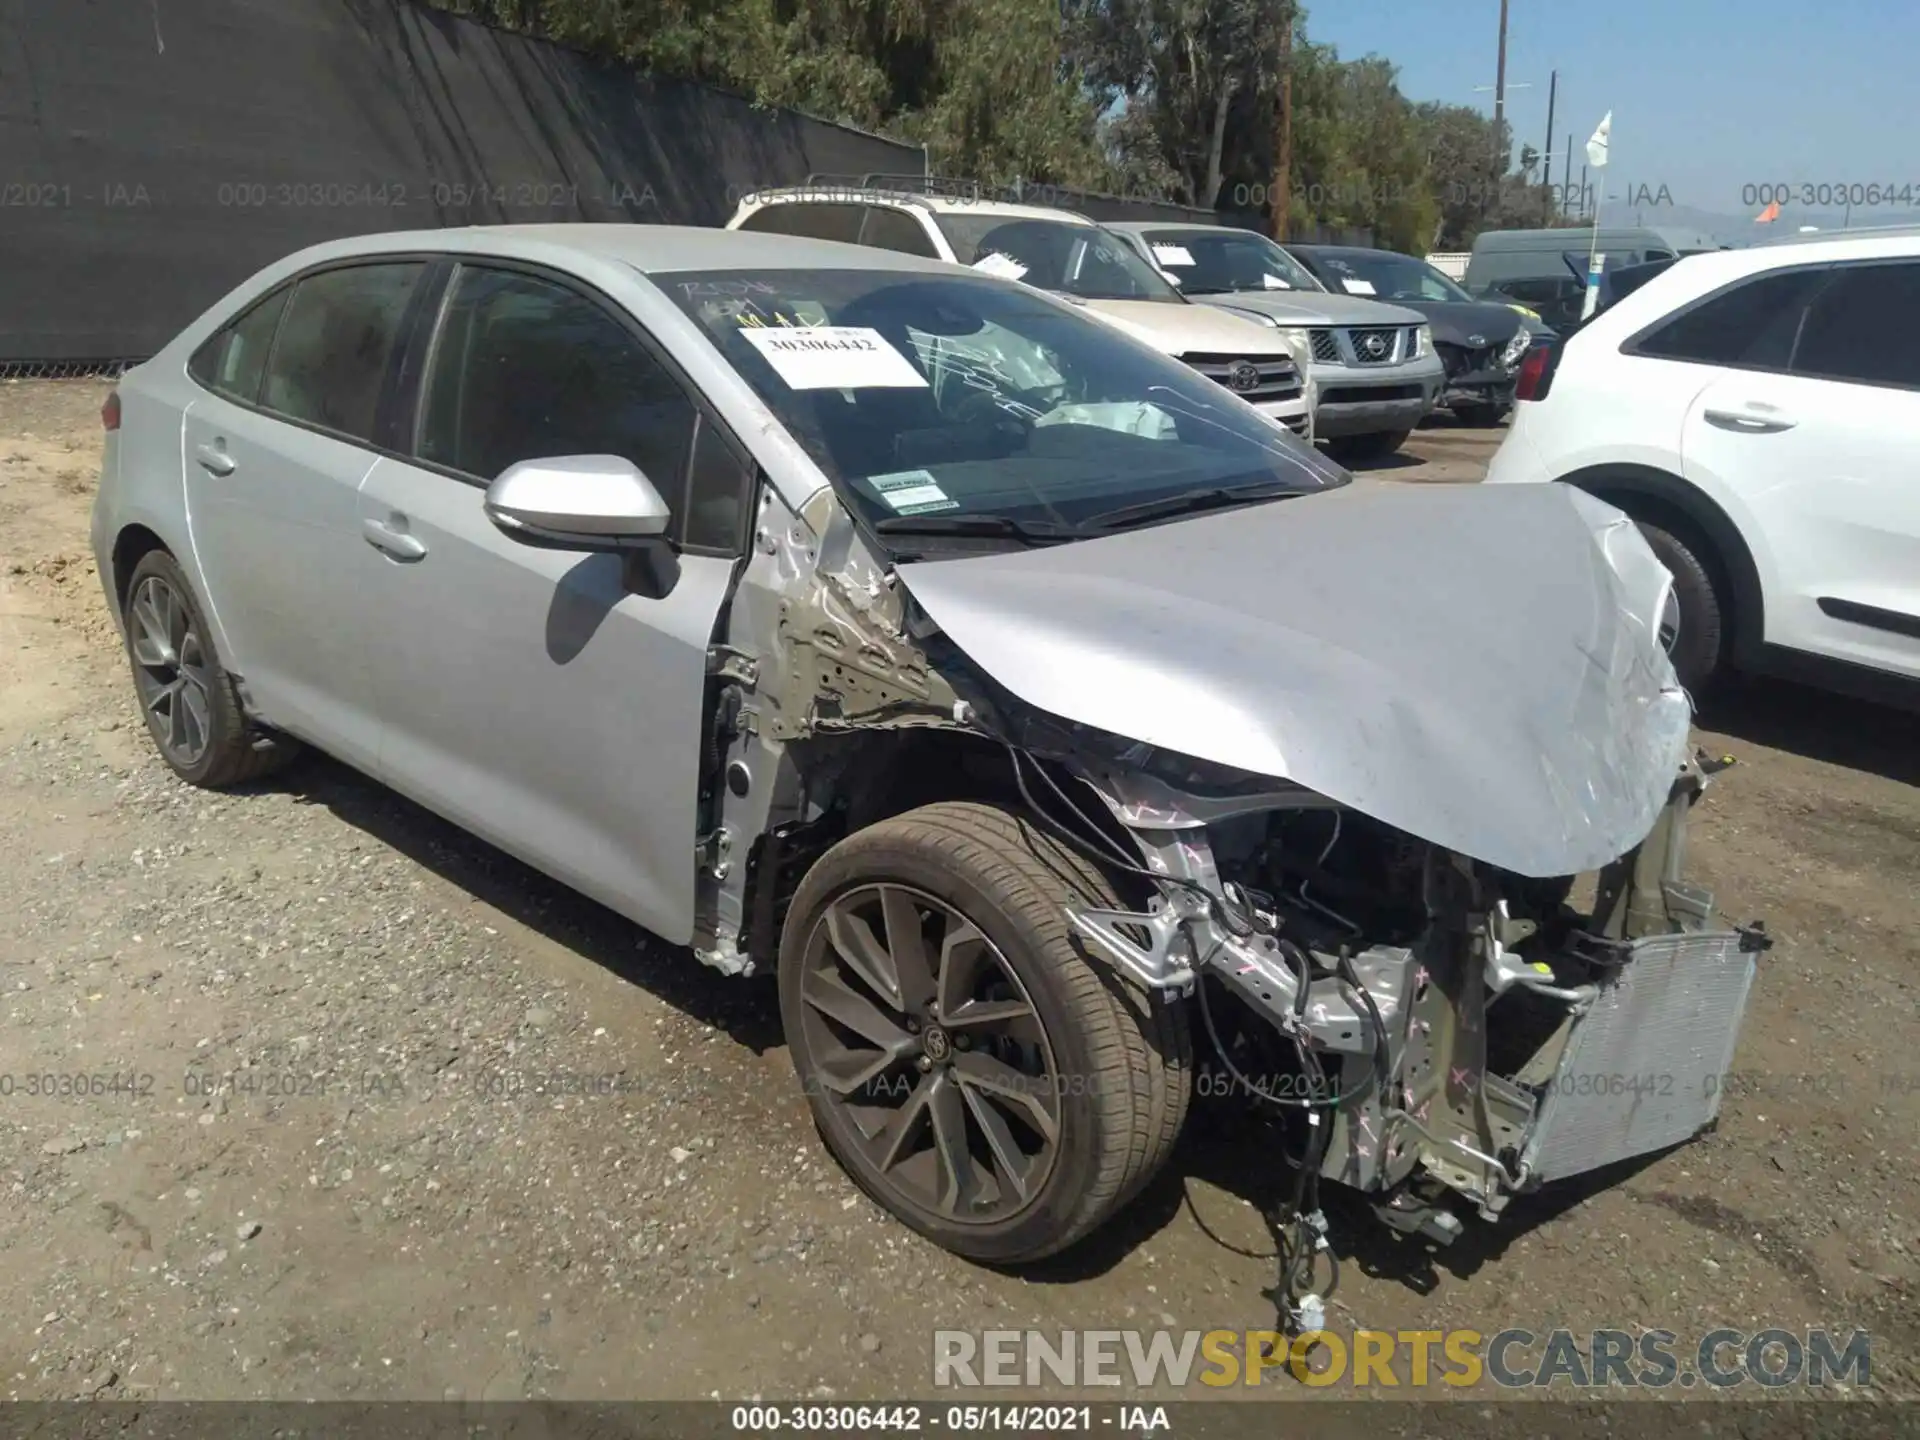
{"x": 912, "y": 492}
{"x": 1173, "y": 254}
{"x": 834, "y": 357}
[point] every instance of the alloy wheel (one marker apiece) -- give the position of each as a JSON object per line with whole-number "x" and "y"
{"x": 928, "y": 1047}
{"x": 170, "y": 670}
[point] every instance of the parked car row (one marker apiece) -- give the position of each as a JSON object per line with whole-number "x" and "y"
{"x": 1371, "y": 353}
{"x": 1050, "y": 722}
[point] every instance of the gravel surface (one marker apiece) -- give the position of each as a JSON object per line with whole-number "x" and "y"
{"x": 325, "y": 1158}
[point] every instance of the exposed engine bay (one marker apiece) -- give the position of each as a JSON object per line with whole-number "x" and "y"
{"x": 1442, "y": 1025}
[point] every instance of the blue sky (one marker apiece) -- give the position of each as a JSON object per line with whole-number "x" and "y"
{"x": 1708, "y": 96}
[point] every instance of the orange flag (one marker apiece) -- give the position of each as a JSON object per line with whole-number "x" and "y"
{"x": 1768, "y": 215}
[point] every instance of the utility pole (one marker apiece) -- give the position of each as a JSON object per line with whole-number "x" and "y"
{"x": 1566, "y": 179}
{"x": 1282, "y": 189}
{"x": 1546, "y": 155}
{"x": 1500, "y": 84}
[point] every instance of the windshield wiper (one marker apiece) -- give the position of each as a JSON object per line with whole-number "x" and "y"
{"x": 1219, "y": 497}
{"x": 1028, "y": 532}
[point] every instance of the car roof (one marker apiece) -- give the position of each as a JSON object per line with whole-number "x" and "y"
{"x": 1863, "y": 233}
{"x": 1351, "y": 250}
{"x": 1576, "y": 237}
{"x": 1140, "y": 227}
{"x": 650, "y": 249}
{"x": 936, "y": 204}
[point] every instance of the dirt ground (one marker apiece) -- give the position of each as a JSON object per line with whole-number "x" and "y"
{"x": 369, "y": 1206}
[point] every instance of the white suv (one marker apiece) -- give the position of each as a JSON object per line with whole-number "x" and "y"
{"x": 1758, "y": 412}
{"x": 1068, "y": 255}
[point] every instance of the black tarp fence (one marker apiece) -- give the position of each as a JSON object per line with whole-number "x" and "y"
{"x": 154, "y": 153}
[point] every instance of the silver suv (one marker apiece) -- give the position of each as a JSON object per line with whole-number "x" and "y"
{"x": 1023, "y": 700}
{"x": 1375, "y": 368}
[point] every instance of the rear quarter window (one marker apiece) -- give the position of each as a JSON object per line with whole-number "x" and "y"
{"x": 816, "y": 221}
{"x": 234, "y": 360}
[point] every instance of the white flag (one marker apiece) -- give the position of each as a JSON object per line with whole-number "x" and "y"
{"x": 1597, "y": 146}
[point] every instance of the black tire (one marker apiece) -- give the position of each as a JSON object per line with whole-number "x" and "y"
{"x": 1375, "y": 445}
{"x": 232, "y": 753}
{"x": 1699, "y": 652}
{"x": 1122, "y": 1057}
{"x": 1481, "y": 417}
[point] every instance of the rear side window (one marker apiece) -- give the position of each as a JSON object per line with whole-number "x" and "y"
{"x": 526, "y": 369}
{"x": 891, "y": 229}
{"x": 235, "y": 359}
{"x": 824, "y": 221}
{"x": 330, "y": 359}
{"x": 1861, "y": 327}
{"x": 1751, "y": 325}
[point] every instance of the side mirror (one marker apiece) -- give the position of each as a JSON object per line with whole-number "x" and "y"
{"x": 577, "y": 502}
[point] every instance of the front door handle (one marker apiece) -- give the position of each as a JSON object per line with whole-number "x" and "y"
{"x": 397, "y": 543}
{"x": 1742, "y": 424}
{"x": 215, "y": 461}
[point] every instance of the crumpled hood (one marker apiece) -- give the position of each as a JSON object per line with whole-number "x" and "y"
{"x": 1476, "y": 665}
{"x": 1189, "y": 329}
{"x": 1312, "y": 307}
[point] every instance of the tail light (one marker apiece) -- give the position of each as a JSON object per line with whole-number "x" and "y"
{"x": 110, "y": 411}
{"x": 1536, "y": 373}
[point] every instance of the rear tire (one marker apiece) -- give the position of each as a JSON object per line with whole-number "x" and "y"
{"x": 189, "y": 701}
{"x": 1375, "y": 445}
{"x": 1699, "y": 651}
{"x": 1117, "y": 1060}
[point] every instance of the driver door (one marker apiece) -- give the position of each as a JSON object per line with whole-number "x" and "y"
{"x": 529, "y": 694}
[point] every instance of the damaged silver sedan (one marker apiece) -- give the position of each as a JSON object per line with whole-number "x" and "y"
{"x": 1047, "y": 719}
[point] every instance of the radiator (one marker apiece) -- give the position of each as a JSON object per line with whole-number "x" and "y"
{"x": 1645, "y": 1066}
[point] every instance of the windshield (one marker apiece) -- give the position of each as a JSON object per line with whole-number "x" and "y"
{"x": 1384, "y": 275}
{"x": 941, "y": 397}
{"x": 1220, "y": 262}
{"x": 1059, "y": 255}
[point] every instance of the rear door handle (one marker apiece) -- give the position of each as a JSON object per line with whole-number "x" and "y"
{"x": 1742, "y": 424}
{"x": 397, "y": 543}
{"x": 215, "y": 461}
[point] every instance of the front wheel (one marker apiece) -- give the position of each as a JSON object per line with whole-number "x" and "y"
{"x": 968, "y": 1064}
{"x": 1376, "y": 445}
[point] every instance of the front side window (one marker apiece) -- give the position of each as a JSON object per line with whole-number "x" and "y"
{"x": 1060, "y": 255}
{"x": 234, "y": 361}
{"x": 1751, "y": 325}
{"x": 330, "y": 358}
{"x": 939, "y": 397}
{"x": 528, "y": 369}
{"x": 1220, "y": 262}
{"x": 1861, "y": 327}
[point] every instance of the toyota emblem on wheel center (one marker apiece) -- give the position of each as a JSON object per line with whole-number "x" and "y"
{"x": 1243, "y": 375}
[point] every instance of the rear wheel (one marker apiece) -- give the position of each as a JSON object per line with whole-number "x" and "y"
{"x": 1376, "y": 445}
{"x": 189, "y": 701}
{"x": 967, "y": 1063}
{"x": 1698, "y": 650}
